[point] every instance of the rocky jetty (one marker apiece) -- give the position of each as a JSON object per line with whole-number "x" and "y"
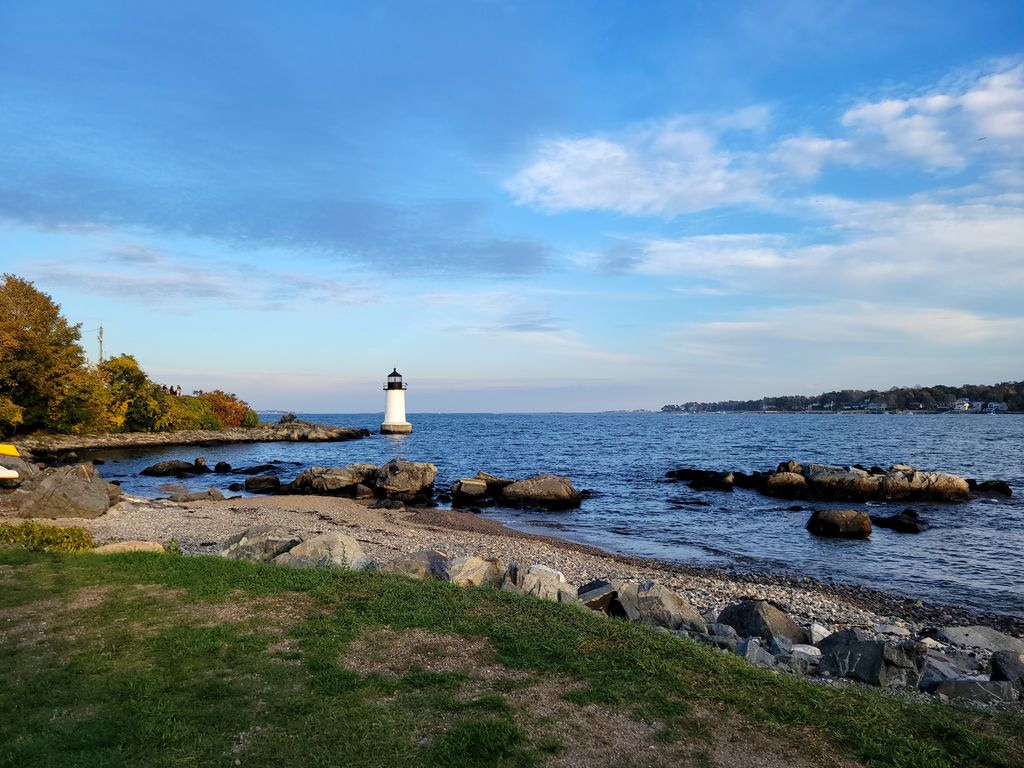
{"x": 543, "y": 491}
{"x": 887, "y": 656}
{"x": 56, "y": 446}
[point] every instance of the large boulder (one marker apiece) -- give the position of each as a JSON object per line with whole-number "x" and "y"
{"x": 1008, "y": 666}
{"x": 986, "y": 638}
{"x": 404, "y": 480}
{"x": 176, "y": 468}
{"x": 937, "y": 486}
{"x": 907, "y": 521}
{"x": 261, "y": 543}
{"x": 468, "y": 492}
{"x": 786, "y": 485}
{"x": 542, "y": 491}
{"x": 331, "y": 481}
{"x": 844, "y": 523}
{"x": 603, "y": 596}
{"x": 76, "y": 491}
{"x": 759, "y": 618}
{"x": 422, "y": 564}
{"x": 262, "y": 484}
{"x": 851, "y": 653}
{"x": 655, "y": 604}
{"x": 548, "y": 584}
{"x": 999, "y": 487}
{"x": 495, "y": 484}
{"x": 977, "y": 691}
{"x": 473, "y": 571}
{"x": 332, "y": 550}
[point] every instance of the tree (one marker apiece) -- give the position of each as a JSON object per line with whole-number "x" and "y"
{"x": 42, "y": 364}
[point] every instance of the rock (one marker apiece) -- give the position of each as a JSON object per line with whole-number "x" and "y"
{"x": 937, "y": 486}
{"x": 551, "y": 492}
{"x": 19, "y": 465}
{"x": 1008, "y": 666}
{"x": 331, "y": 481}
{"x": 762, "y": 619}
{"x": 723, "y": 630}
{"x": 362, "y": 492}
{"x": 937, "y": 669}
{"x": 834, "y": 483}
{"x": 495, "y": 484}
{"x": 174, "y": 468}
{"x": 844, "y": 523}
{"x": 892, "y": 629}
{"x": 818, "y": 632}
{"x": 468, "y": 491}
{"x": 129, "y": 546}
{"x": 601, "y": 596}
{"x": 851, "y": 654}
{"x": 977, "y": 691}
{"x": 548, "y": 584}
{"x": 655, "y": 604}
{"x": 750, "y": 649}
{"x": 809, "y": 651}
{"x": 76, "y": 491}
{"x": 786, "y": 485}
{"x": 906, "y": 521}
{"x": 791, "y": 467}
{"x": 236, "y": 487}
{"x": 981, "y": 637}
{"x": 472, "y": 571}
{"x": 332, "y": 550}
{"x": 262, "y": 484}
{"x": 780, "y": 646}
{"x": 261, "y": 543}
{"x": 404, "y": 480}
{"x": 259, "y": 469}
{"x": 1000, "y": 487}
{"x": 713, "y": 481}
{"x": 221, "y": 467}
{"x": 422, "y": 564}
{"x": 513, "y": 580}
{"x": 212, "y": 493}
{"x": 394, "y": 506}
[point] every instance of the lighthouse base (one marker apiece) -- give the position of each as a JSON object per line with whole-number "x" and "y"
{"x": 400, "y": 428}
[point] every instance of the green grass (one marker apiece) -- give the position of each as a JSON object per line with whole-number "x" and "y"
{"x": 141, "y": 677}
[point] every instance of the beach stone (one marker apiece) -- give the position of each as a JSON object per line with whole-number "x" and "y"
{"x": 818, "y": 632}
{"x": 421, "y": 564}
{"x": 937, "y": 669}
{"x": 750, "y": 649}
{"x": 548, "y": 584}
{"x": 907, "y": 521}
{"x": 601, "y": 596}
{"x": 1008, "y": 666}
{"x": 473, "y": 571}
{"x": 262, "y": 484}
{"x": 655, "y": 604}
{"x": 403, "y": 480}
{"x": 1000, "y": 487}
{"x": 76, "y": 491}
{"x": 331, "y": 481}
{"x": 852, "y": 654}
{"x": 985, "y": 638}
{"x": 762, "y": 619}
{"x": 543, "y": 491}
{"x": 332, "y": 550}
{"x": 977, "y": 691}
{"x": 468, "y": 491}
{"x": 841, "y": 523}
{"x": 786, "y": 485}
{"x": 211, "y": 494}
{"x": 261, "y": 543}
{"x": 119, "y": 547}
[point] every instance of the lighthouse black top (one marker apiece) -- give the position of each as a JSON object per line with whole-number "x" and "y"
{"x": 395, "y": 380}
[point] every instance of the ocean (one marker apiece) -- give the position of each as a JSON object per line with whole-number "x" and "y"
{"x": 971, "y": 556}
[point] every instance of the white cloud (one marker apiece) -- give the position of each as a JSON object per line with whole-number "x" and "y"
{"x": 804, "y": 156}
{"x": 712, "y": 255}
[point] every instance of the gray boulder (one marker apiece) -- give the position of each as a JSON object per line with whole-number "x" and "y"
{"x": 261, "y": 543}
{"x": 473, "y": 571}
{"x": 213, "y": 494}
{"x": 750, "y": 649}
{"x": 938, "y": 668}
{"x": 851, "y": 654}
{"x": 655, "y": 604}
{"x": 761, "y": 619}
{"x": 985, "y": 638}
{"x": 542, "y": 492}
{"x": 977, "y": 691}
{"x": 404, "y": 480}
{"x": 723, "y": 630}
{"x": 175, "y": 467}
{"x": 262, "y": 484}
{"x": 422, "y": 564}
{"x": 76, "y": 491}
{"x": 1008, "y": 666}
{"x": 842, "y": 523}
{"x": 602, "y": 596}
{"x": 548, "y": 584}
{"x": 332, "y": 550}
{"x": 331, "y": 481}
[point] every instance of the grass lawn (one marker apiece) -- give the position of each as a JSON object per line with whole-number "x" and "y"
{"x": 158, "y": 660}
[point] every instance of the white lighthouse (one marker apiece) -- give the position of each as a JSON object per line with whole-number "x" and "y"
{"x": 394, "y": 406}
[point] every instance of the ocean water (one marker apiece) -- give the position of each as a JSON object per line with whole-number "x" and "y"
{"x": 971, "y": 556}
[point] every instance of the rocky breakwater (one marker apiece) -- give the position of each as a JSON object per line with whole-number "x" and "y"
{"x": 543, "y": 491}
{"x": 56, "y": 447}
{"x": 58, "y": 492}
{"x": 399, "y": 480}
{"x": 952, "y": 663}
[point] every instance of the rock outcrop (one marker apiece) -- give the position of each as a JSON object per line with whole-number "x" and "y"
{"x": 76, "y": 491}
{"x": 176, "y": 468}
{"x": 398, "y": 480}
{"x": 985, "y": 638}
{"x": 544, "y": 491}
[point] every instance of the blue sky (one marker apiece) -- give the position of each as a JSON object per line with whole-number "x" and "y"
{"x": 524, "y": 206}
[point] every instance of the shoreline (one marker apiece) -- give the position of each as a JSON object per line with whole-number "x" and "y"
{"x": 200, "y": 526}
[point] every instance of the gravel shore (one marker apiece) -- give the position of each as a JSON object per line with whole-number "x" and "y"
{"x": 200, "y": 526}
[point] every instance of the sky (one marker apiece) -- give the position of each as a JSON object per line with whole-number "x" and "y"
{"x": 524, "y": 206}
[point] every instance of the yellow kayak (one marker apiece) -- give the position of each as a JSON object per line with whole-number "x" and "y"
{"x": 6, "y": 449}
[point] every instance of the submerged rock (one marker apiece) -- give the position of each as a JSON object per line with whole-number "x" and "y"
{"x": 907, "y": 521}
{"x": 176, "y": 467}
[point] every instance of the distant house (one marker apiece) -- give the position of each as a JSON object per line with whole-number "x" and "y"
{"x": 995, "y": 407}
{"x": 962, "y": 405}
{"x": 874, "y": 407}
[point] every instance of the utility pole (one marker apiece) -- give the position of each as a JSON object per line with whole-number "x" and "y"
{"x": 100, "y": 337}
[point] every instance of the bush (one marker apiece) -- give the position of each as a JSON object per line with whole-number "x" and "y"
{"x": 251, "y": 419}
{"x": 45, "y": 538}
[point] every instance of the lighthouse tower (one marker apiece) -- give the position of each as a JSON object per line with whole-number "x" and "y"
{"x": 394, "y": 406}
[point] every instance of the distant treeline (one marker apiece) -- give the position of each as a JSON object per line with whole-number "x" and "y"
{"x": 898, "y": 398}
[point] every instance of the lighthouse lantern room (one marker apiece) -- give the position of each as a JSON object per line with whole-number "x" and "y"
{"x": 394, "y": 406}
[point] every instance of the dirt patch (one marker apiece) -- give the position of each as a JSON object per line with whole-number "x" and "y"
{"x": 271, "y": 612}
{"x": 395, "y": 652}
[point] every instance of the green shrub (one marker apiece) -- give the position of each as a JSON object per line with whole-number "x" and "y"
{"x": 45, "y": 538}
{"x": 250, "y": 419}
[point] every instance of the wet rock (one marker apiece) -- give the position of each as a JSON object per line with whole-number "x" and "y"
{"x": 468, "y": 491}
{"x": 261, "y": 543}
{"x": 977, "y": 691}
{"x": 792, "y": 467}
{"x": 175, "y": 468}
{"x": 332, "y": 550}
{"x": 403, "y": 480}
{"x": 422, "y": 564}
{"x": 851, "y": 654}
{"x": 543, "y": 491}
{"x": 842, "y": 523}
{"x": 495, "y": 484}
{"x": 907, "y": 521}
{"x": 259, "y": 469}
{"x": 472, "y": 571}
{"x": 786, "y": 485}
{"x": 997, "y": 487}
{"x": 221, "y": 467}
{"x": 981, "y": 637}
{"x": 262, "y": 484}
{"x": 331, "y": 481}
{"x": 1008, "y": 666}
{"x": 713, "y": 481}
{"x": 76, "y": 491}
{"x": 655, "y": 604}
{"x": 236, "y": 487}
{"x": 761, "y": 619}
{"x": 750, "y": 649}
